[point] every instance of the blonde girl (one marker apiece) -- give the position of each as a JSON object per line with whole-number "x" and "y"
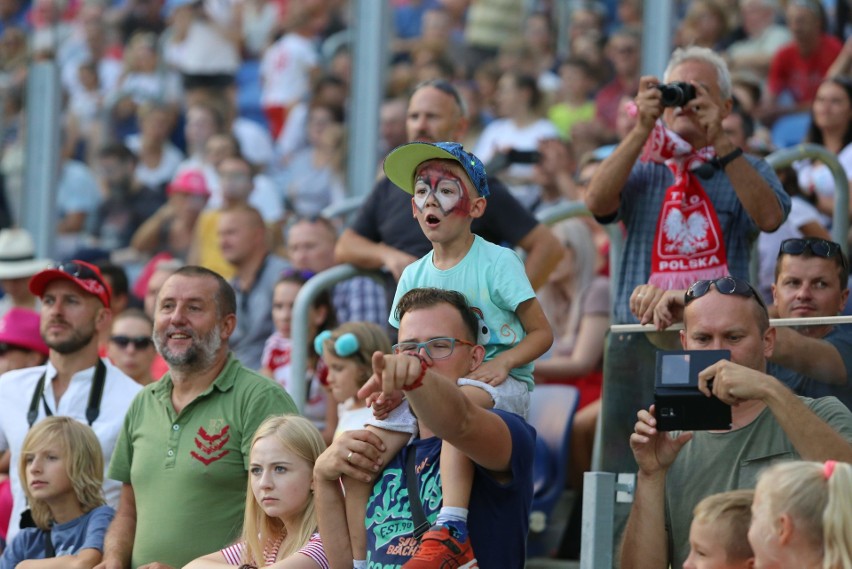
{"x": 801, "y": 516}
{"x": 61, "y": 466}
{"x": 280, "y": 526}
{"x": 347, "y": 352}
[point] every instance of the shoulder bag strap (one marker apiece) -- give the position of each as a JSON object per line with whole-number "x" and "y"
{"x": 32, "y": 414}
{"x": 421, "y": 524}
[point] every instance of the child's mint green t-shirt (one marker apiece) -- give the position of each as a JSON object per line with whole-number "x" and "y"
{"x": 493, "y": 280}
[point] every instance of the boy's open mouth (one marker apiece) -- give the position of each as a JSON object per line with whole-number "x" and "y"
{"x": 432, "y": 220}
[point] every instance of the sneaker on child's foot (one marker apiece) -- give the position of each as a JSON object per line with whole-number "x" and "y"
{"x": 440, "y": 549}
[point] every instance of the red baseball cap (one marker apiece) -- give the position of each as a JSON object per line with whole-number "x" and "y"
{"x": 85, "y": 275}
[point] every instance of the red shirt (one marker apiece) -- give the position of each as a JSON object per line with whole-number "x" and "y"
{"x": 799, "y": 75}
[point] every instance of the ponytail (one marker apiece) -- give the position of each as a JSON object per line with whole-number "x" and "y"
{"x": 837, "y": 517}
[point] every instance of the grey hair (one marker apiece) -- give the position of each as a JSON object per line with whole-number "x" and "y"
{"x": 696, "y": 53}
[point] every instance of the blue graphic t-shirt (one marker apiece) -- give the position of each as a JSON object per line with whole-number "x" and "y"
{"x": 499, "y": 513}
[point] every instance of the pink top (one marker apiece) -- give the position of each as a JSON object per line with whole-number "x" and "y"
{"x": 313, "y": 549}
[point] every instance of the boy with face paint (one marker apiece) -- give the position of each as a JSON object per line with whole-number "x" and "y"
{"x": 449, "y": 190}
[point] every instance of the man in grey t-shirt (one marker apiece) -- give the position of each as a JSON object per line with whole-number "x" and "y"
{"x": 769, "y": 423}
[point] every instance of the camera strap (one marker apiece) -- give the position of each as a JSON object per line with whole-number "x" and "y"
{"x": 93, "y": 408}
{"x": 49, "y": 550}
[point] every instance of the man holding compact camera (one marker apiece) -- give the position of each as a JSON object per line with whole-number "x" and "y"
{"x": 769, "y": 423}
{"x": 691, "y": 201}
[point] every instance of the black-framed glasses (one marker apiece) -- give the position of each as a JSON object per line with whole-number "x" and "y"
{"x": 77, "y": 271}
{"x": 725, "y": 285}
{"x": 139, "y": 342}
{"x": 436, "y": 348}
{"x": 818, "y": 247}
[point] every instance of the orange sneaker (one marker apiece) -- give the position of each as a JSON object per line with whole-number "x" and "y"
{"x": 439, "y": 549}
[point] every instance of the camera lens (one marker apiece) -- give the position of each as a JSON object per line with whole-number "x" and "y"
{"x": 676, "y": 94}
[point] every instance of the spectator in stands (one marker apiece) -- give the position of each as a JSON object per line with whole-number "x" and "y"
{"x": 764, "y": 37}
{"x": 20, "y": 340}
{"x": 77, "y": 201}
{"x": 75, "y": 308}
{"x": 330, "y": 91}
{"x": 540, "y": 40}
{"x": 203, "y": 120}
{"x": 801, "y": 517}
{"x": 243, "y": 242}
{"x": 202, "y": 44}
{"x": 623, "y": 53}
{"x": 209, "y": 405}
{"x": 705, "y": 25}
{"x": 144, "y": 80}
{"x": 673, "y": 470}
{"x": 831, "y": 127}
{"x": 811, "y": 280}
{"x": 500, "y": 444}
{"x": 157, "y": 159}
{"x": 798, "y": 67}
{"x": 383, "y": 236}
{"x": 718, "y": 535}
{"x": 278, "y": 350}
{"x": 573, "y": 103}
{"x": 520, "y": 128}
{"x": 237, "y": 188}
{"x": 315, "y": 176}
{"x": 739, "y": 196}
{"x": 171, "y": 228}
{"x": 130, "y": 346}
{"x": 127, "y": 203}
{"x": 18, "y": 263}
{"x": 804, "y": 221}
{"x": 290, "y": 65}
{"x": 490, "y": 24}
{"x": 310, "y": 247}
{"x": 392, "y": 117}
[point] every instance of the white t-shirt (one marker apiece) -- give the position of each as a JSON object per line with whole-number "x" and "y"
{"x": 285, "y": 70}
{"x": 817, "y": 178}
{"x": 16, "y": 393}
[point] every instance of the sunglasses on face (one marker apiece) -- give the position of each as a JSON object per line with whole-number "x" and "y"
{"x": 78, "y": 271}
{"x": 139, "y": 342}
{"x": 725, "y": 285}
{"x": 818, "y": 247}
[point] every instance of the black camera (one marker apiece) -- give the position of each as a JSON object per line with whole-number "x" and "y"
{"x": 676, "y": 94}
{"x": 523, "y": 156}
{"x": 679, "y": 405}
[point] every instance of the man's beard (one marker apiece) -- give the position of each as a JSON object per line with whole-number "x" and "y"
{"x": 199, "y": 355}
{"x": 79, "y": 339}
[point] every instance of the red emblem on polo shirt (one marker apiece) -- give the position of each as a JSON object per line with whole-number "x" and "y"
{"x": 210, "y": 446}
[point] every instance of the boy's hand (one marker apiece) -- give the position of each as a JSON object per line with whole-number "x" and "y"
{"x": 383, "y": 404}
{"x": 493, "y": 372}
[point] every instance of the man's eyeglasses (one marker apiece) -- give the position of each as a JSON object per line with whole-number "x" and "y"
{"x": 436, "y": 348}
{"x": 725, "y": 285}
{"x": 139, "y": 342}
{"x": 78, "y": 271}
{"x": 818, "y": 247}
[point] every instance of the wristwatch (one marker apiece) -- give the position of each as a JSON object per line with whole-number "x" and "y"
{"x": 723, "y": 161}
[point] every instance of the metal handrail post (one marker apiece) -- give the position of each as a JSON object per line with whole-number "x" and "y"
{"x": 301, "y": 308}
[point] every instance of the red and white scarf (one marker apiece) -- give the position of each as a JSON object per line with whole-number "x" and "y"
{"x": 688, "y": 245}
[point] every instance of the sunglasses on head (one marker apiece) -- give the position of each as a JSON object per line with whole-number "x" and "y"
{"x": 78, "y": 271}
{"x": 139, "y": 342}
{"x": 5, "y": 348}
{"x": 818, "y": 247}
{"x": 725, "y": 285}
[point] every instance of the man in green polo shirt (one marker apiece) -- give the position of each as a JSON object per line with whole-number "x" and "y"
{"x": 182, "y": 455}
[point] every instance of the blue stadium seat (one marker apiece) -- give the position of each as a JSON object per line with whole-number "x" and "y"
{"x": 552, "y": 409}
{"x": 790, "y": 130}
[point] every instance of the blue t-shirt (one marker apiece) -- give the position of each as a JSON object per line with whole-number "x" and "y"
{"x": 85, "y": 532}
{"x": 841, "y": 338}
{"x": 493, "y": 280}
{"x": 499, "y": 513}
